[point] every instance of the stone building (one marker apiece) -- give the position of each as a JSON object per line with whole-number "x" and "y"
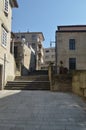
{"x": 71, "y": 47}
{"x": 7, "y": 64}
{"x": 49, "y": 57}
{"x": 24, "y": 57}
{"x": 34, "y": 39}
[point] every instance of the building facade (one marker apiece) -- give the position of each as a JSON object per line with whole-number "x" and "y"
{"x": 7, "y": 63}
{"x": 35, "y": 40}
{"x": 24, "y": 58}
{"x": 49, "y": 57}
{"x": 71, "y": 47}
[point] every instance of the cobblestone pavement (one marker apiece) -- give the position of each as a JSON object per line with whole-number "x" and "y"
{"x": 41, "y": 110}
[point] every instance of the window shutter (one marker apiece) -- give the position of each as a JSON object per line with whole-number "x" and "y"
{"x": 6, "y": 4}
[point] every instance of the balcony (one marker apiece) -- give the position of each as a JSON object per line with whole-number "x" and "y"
{"x": 39, "y": 53}
{"x": 39, "y": 45}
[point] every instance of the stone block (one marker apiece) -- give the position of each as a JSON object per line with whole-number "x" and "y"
{"x": 75, "y": 78}
{"x": 82, "y": 77}
{"x": 76, "y": 88}
{"x": 84, "y": 92}
{"x": 83, "y": 84}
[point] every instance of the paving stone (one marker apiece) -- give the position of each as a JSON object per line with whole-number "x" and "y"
{"x": 17, "y": 128}
{"x": 41, "y": 110}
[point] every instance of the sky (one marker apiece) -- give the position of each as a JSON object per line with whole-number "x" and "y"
{"x": 45, "y": 15}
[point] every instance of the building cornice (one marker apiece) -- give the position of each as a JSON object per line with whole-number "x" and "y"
{"x": 38, "y": 33}
{"x": 67, "y": 31}
{"x": 67, "y": 26}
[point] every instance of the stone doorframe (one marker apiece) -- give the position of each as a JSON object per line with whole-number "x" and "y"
{"x": 1, "y": 77}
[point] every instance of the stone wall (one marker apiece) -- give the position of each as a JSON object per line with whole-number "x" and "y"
{"x": 35, "y": 40}
{"x": 50, "y": 74}
{"x": 60, "y": 82}
{"x": 10, "y": 68}
{"x": 74, "y": 82}
{"x": 64, "y": 53}
{"x": 79, "y": 83}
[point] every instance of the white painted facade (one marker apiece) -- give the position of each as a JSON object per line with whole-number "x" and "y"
{"x": 49, "y": 57}
{"x": 34, "y": 39}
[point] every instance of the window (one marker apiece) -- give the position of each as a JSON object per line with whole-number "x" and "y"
{"x": 34, "y": 37}
{"x": 17, "y": 37}
{"x": 72, "y": 63}
{"x": 6, "y": 6}
{"x": 47, "y": 62}
{"x": 4, "y": 37}
{"x": 47, "y": 51}
{"x": 15, "y": 51}
{"x": 52, "y": 56}
{"x": 11, "y": 48}
{"x": 22, "y": 37}
{"x": 33, "y": 45}
{"x": 46, "y": 57}
{"x": 72, "y": 44}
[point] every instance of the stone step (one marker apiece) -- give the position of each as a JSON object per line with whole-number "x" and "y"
{"x": 39, "y": 72}
{"x": 32, "y": 78}
{"x": 27, "y": 88}
{"x": 28, "y": 85}
{"x": 26, "y": 82}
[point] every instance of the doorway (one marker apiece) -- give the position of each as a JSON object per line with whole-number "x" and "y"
{"x": 15, "y": 51}
{"x": 0, "y": 77}
{"x": 72, "y": 63}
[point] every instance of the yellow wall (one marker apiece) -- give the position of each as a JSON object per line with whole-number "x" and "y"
{"x": 79, "y": 83}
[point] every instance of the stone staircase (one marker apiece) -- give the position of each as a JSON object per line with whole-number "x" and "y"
{"x": 39, "y": 72}
{"x": 34, "y": 81}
